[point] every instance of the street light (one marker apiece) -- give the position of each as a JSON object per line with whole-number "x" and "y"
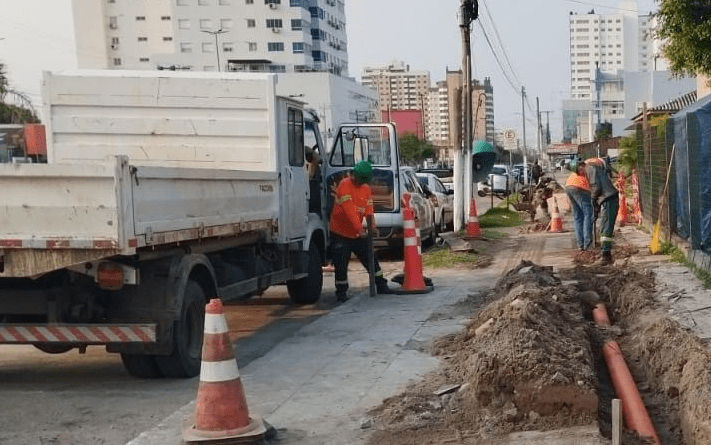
{"x": 217, "y": 46}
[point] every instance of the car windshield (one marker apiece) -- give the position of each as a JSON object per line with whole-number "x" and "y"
{"x": 498, "y": 171}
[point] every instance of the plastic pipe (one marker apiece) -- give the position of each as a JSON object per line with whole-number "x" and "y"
{"x": 633, "y": 409}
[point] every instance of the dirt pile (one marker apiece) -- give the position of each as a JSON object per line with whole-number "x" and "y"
{"x": 524, "y": 363}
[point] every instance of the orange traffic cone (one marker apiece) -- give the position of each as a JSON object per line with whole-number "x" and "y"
{"x": 221, "y": 414}
{"x": 473, "y": 230}
{"x": 556, "y": 222}
{"x": 414, "y": 281}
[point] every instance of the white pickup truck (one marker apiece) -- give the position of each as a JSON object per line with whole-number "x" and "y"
{"x": 161, "y": 190}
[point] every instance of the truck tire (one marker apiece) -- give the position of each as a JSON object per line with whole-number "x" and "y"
{"x": 307, "y": 290}
{"x": 187, "y": 336}
{"x": 53, "y": 348}
{"x": 141, "y": 366}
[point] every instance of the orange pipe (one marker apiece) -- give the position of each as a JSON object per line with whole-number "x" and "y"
{"x": 600, "y": 315}
{"x": 633, "y": 409}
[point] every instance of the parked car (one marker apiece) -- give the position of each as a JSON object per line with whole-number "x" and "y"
{"x": 499, "y": 182}
{"x": 390, "y": 223}
{"x": 441, "y": 198}
{"x": 517, "y": 171}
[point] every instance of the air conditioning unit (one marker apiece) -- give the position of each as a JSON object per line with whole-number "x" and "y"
{"x": 273, "y": 5}
{"x": 276, "y": 30}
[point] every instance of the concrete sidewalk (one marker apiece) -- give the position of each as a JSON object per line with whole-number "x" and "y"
{"x": 317, "y": 386}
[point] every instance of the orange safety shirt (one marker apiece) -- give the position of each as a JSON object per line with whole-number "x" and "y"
{"x": 578, "y": 181}
{"x": 352, "y": 203}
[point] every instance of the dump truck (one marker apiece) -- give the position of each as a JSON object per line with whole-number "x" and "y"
{"x": 161, "y": 190}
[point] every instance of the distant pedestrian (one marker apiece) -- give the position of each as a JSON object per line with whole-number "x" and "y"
{"x": 536, "y": 171}
{"x": 353, "y": 201}
{"x": 577, "y": 188}
{"x": 605, "y": 199}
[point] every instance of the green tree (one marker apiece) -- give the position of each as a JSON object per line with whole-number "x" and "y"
{"x": 413, "y": 150}
{"x": 628, "y": 154}
{"x": 10, "y": 113}
{"x": 685, "y": 25}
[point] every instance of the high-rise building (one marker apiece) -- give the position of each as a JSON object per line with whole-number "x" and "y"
{"x": 398, "y": 88}
{"x": 618, "y": 41}
{"x": 212, "y": 35}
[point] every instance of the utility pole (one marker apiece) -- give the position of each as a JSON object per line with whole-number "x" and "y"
{"x": 548, "y": 126}
{"x": 469, "y": 11}
{"x": 523, "y": 119}
{"x": 539, "y": 145}
{"x": 217, "y": 46}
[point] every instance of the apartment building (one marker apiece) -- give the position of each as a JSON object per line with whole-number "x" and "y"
{"x": 212, "y": 35}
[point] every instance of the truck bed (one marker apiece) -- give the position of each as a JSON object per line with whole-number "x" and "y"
{"x": 54, "y": 216}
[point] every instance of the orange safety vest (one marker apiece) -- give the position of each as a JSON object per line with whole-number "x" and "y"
{"x": 595, "y": 161}
{"x": 578, "y": 181}
{"x": 352, "y": 203}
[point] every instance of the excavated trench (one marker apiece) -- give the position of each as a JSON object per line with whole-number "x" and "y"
{"x": 530, "y": 360}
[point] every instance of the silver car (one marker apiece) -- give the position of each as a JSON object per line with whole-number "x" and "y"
{"x": 442, "y": 199}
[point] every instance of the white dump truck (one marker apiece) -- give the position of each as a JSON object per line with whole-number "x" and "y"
{"x": 160, "y": 191}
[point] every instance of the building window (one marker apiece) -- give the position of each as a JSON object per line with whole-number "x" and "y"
{"x": 274, "y": 23}
{"x": 204, "y": 2}
{"x": 208, "y": 47}
{"x": 251, "y": 23}
{"x": 228, "y": 47}
{"x": 167, "y": 39}
{"x": 186, "y": 48}
{"x": 141, "y": 18}
{"x": 183, "y": 2}
{"x": 297, "y": 24}
{"x": 184, "y": 24}
{"x": 224, "y": 2}
{"x": 111, "y": 1}
{"x": 113, "y": 22}
{"x": 248, "y": 2}
{"x": 251, "y": 46}
{"x": 143, "y": 39}
{"x": 165, "y": 17}
{"x": 143, "y": 59}
{"x": 275, "y": 46}
{"x": 205, "y": 24}
{"x": 117, "y": 61}
{"x": 298, "y": 47}
{"x": 276, "y": 2}
{"x": 226, "y": 23}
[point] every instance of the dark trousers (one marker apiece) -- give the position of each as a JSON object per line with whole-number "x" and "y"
{"x": 341, "y": 249}
{"x": 610, "y": 206}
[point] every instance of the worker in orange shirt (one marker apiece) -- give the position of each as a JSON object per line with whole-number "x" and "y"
{"x": 577, "y": 188}
{"x": 353, "y": 201}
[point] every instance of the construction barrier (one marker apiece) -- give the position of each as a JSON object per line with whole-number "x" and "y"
{"x": 622, "y": 211}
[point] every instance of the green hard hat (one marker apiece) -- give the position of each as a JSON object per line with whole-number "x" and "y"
{"x": 363, "y": 171}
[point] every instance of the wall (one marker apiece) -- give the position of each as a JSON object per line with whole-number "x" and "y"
{"x": 406, "y": 121}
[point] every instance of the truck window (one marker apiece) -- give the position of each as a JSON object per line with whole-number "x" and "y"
{"x": 296, "y": 137}
{"x": 354, "y": 144}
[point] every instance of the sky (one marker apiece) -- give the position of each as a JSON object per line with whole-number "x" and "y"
{"x": 530, "y": 39}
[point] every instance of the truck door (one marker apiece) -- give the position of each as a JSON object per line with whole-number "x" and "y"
{"x": 376, "y": 143}
{"x": 295, "y": 180}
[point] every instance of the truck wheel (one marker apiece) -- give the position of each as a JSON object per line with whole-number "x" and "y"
{"x": 141, "y": 366}
{"x": 187, "y": 336}
{"x": 308, "y": 289}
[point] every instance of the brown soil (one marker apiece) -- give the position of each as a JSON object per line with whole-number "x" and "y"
{"x": 529, "y": 360}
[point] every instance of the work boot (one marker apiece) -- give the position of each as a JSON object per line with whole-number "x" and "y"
{"x": 382, "y": 287}
{"x": 606, "y": 259}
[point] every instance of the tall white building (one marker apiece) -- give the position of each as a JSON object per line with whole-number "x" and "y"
{"x": 618, "y": 41}
{"x": 210, "y": 35}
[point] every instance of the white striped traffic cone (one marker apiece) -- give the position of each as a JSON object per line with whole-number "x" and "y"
{"x": 221, "y": 413}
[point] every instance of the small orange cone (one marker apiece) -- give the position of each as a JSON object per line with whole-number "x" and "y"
{"x": 414, "y": 281}
{"x": 221, "y": 413}
{"x": 473, "y": 229}
{"x": 556, "y": 222}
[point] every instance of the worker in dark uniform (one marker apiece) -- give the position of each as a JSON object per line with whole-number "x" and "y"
{"x": 353, "y": 201}
{"x": 605, "y": 198}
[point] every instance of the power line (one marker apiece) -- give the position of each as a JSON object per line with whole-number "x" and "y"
{"x": 601, "y": 6}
